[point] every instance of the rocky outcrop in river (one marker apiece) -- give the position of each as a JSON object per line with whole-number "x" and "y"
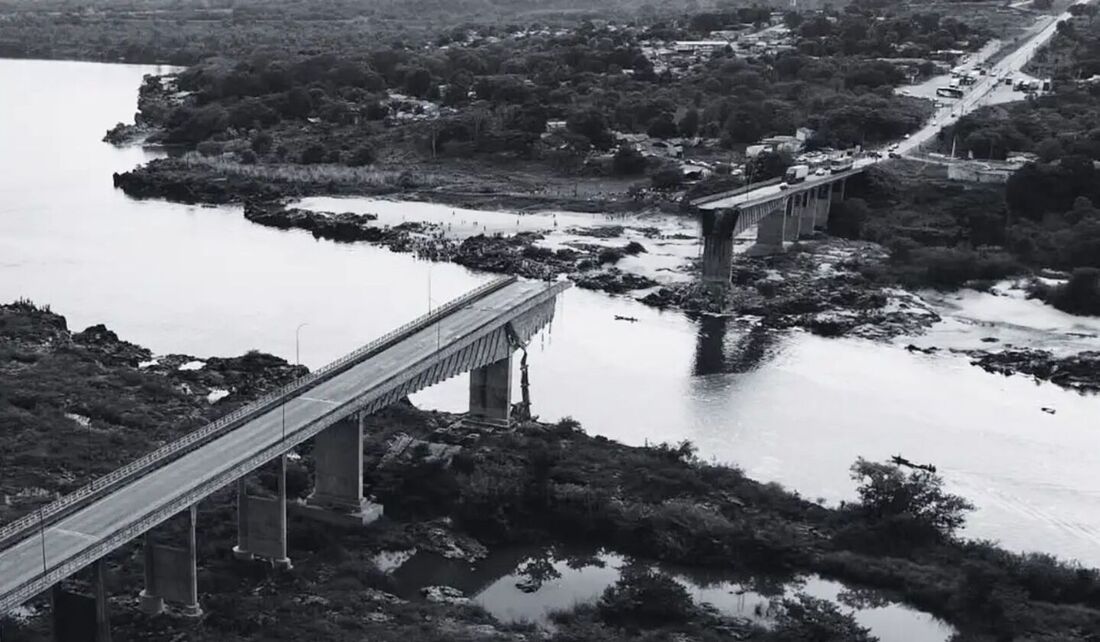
{"x": 1080, "y": 371}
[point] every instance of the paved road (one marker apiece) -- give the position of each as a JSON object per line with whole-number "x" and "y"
{"x": 97, "y": 522}
{"x": 977, "y": 93}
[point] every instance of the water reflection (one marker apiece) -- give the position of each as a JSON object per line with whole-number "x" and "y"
{"x": 714, "y": 354}
{"x": 528, "y": 584}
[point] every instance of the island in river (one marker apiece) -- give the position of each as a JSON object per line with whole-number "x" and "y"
{"x": 464, "y": 492}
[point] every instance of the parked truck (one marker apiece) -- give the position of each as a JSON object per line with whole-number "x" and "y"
{"x": 796, "y": 174}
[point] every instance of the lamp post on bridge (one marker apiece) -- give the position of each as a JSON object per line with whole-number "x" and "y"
{"x": 297, "y": 343}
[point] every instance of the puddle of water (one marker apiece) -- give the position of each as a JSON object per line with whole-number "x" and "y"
{"x": 529, "y": 584}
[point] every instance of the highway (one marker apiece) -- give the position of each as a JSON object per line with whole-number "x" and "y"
{"x": 973, "y": 99}
{"x": 404, "y": 361}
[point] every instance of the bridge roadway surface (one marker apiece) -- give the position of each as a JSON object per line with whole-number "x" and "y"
{"x": 102, "y": 519}
{"x": 1011, "y": 64}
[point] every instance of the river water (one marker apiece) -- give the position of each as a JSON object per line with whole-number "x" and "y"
{"x": 791, "y": 408}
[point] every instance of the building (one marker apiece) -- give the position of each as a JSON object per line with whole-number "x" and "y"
{"x": 700, "y": 46}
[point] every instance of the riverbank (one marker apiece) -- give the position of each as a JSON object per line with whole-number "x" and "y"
{"x": 464, "y": 492}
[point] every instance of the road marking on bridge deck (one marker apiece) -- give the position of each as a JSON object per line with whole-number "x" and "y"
{"x": 83, "y": 536}
{"x": 328, "y": 401}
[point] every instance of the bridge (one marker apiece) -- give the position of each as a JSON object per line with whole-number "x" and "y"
{"x": 476, "y": 333}
{"x": 780, "y": 212}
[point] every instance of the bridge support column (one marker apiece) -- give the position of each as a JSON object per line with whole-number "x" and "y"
{"x": 261, "y": 522}
{"x": 491, "y": 392}
{"x": 809, "y": 211}
{"x": 82, "y": 618}
{"x": 718, "y": 228}
{"x": 826, "y": 201}
{"x": 338, "y": 481}
{"x": 793, "y": 216}
{"x": 171, "y": 573}
{"x": 769, "y": 233}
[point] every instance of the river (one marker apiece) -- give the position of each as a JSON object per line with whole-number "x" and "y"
{"x": 791, "y": 408}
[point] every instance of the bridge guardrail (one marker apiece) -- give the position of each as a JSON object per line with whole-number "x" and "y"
{"x": 89, "y": 491}
{"x": 744, "y": 189}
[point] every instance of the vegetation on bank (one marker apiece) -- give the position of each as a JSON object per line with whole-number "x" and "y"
{"x": 540, "y": 484}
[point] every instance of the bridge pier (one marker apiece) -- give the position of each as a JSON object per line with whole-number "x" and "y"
{"x": 338, "y": 476}
{"x": 171, "y": 573}
{"x": 809, "y": 211}
{"x": 770, "y": 233}
{"x": 491, "y": 392}
{"x": 718, "y": 226}
{"x": 261, "y": 522}
{"x": 82, "y": 618}
{"x": 792, "y": 216}
{"x": 825, "y": 201}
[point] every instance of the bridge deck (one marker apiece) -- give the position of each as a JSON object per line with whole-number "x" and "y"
{"x": 87, "y": 530}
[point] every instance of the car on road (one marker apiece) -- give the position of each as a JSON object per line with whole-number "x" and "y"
{"x": 895, "y": 155}
{"x": 784, "y": 185}
{"x": 875, "y": 154}
{"x": 821, "y": 171}
{"x": 892, "y": 147}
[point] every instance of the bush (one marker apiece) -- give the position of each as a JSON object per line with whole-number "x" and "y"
{"x": 1079, "y": 295}
{"x": 809, "y": 619}
{"x": 313, "y": 154}
{"x": 628, "y": 162}
{"x": 363, "y": 155}
{"x": 912, "y": 504}
{"x": 669, "y": 177}
{"x": 646, "y": 598}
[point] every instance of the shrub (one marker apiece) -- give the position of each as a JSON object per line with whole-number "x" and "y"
{"x": 313, "y": 154}
{"x": 809, "y": 619}
{"x": 913, "y": 502}
{"x": 646, "y": 598}
{"x": 628, "y": 162}
{"x": 1079, "y": 295}
{"x": 363, "y": 155}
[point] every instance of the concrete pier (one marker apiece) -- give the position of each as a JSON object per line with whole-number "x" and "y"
{"x": 718, "y": 226}
{"x": 338, "y": 480}
{"x": 769, "y": 233}
{"x": 491, "y": 392}
{"x": 793, "y": 216}
{"x": 261, "y": 523}
{"x": 809, "y": 211}
{"x": 78, "y": 617}
{"x": 171, "y": 573}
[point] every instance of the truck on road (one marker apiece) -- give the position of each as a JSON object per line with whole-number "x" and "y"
{"x": 796, "y": 174}
{"x": 841, "y": 164}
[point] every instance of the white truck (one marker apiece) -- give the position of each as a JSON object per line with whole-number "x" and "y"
{"x": 796, "y": 174}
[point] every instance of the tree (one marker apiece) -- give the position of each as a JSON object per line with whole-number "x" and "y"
{"x": 363, "y": 155}
{"x": 915, "y": 499}
{"x": 766, "y": 165}
{"x": 591, "y": 124}
{"x": 313, "y": 154}
{"x": 262, "y": 142}
{"x": 689, "y": 124}
{"x": 647, "y": 598}
{"x": 418, "y": 82}
{"x": 662, "y": 126}
{"x": 628, "y": 162}
{"x": 668, "y": 177}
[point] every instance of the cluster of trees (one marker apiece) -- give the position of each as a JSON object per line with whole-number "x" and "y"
{"x": 499, "y": 95}
{"x": 863, "y": 31}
